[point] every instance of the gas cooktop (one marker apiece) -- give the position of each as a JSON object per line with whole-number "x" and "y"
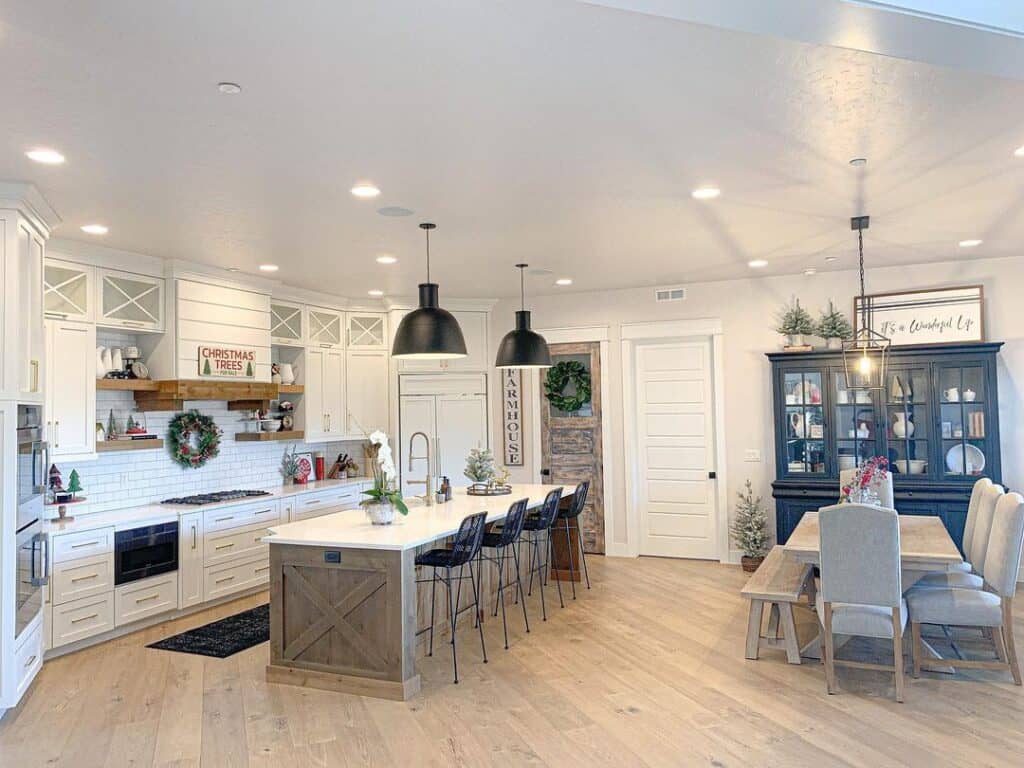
{"x": 214, "y": 498}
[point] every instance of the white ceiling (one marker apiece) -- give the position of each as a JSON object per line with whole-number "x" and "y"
{"x": 564, "y": 134}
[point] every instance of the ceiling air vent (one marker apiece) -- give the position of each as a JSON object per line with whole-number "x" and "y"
{"x": 669, "y": 294}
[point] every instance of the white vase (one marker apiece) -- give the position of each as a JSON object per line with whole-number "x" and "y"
{"x": 101, "y": 366}
{"x": 108, "y": 361}
{"x": 833, "y": 342}
{"x": 902, "y": 426}
{"x": 116, "y": 361}
{"x": 288, "y": 372}
{"x": 380, "y": 512}
{"x": 796, "y": 339}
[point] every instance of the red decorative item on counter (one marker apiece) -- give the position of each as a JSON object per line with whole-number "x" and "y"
{"x": 319, "y": 461}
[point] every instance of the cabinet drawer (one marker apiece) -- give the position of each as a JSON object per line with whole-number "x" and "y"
{"x": 82, "y": 578}
{"x": 326, "y": 503}
{"x": 234, "y": 577}
{"x": 148, "y": 597}
{"x": 268, "y": 512}
{"x": 27, "y": 660}
{"x": 79, "y": 619}
{"x": 235, "y": 544}
{"x": 72, "y": 546}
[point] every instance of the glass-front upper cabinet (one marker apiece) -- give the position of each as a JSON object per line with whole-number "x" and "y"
{"x": 855, "y": 423}
{"x": 127, "y": 300}
{"x": 804, "y": 414}
{"x": 67, "y": 290}
{"x": 962, "y": 419}
{"x": 908, "y": 420}
{"x": 287, "y": 323}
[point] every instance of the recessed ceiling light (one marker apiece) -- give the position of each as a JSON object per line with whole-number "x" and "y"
{"x": 563, "y": 281}
{"x": 757, "y": 263}
{"x": 46, "y": 156}
{"x": 268, "y": 267}
{"x": 365, "y": 190}
{"x": 810, "y": 271}
{"x": 706, "y": 193}
{"x": 95, "y": 229}
{"x": 395, "y": 210}
{"x": 970, "y": 243}
{"x": 386, "y": 258}
{"x": 857, "y": 162}
{"x": 229, "y": 88}
{"x": 831, "y": 258}
{"x": 1019, "y": 152}
{"x": 375, "y": 292}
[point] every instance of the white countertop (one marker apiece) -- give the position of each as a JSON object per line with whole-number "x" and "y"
{"x": 421, "y": 526}
{"x": 151, "y": 514}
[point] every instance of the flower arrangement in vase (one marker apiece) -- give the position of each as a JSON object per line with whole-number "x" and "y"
{"x": 290, "y": 466}
{"x": 863, "y": 488}
{"x": 385, "y": 498}
{"x": 795, "y": 323}
{"x": 834, "y": 328}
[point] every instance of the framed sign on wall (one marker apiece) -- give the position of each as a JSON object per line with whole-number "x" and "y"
{"x": 939, "y": 316}
{"x": 512, "y": 416}
{"x": 233, "y": 362}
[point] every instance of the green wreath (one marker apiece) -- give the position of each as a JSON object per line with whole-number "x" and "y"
{"x": 204, "y": 429}
{"x": 568, "y": 372}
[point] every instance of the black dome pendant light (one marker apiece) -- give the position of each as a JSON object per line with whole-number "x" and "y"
{"x": 429, "y": 332}
{"x": 521, "y": 347}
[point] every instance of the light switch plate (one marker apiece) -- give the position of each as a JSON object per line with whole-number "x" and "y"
{"x": 752, "y": 454}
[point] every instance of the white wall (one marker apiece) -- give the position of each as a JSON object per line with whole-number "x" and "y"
{"x": 747, "y": 309}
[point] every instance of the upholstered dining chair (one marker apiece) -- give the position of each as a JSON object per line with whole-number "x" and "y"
{"x": 882, "y": 486}
{"x": 861, "y": 590}
{"x": 990, "y": 608}
{"x": 984, "y": 498}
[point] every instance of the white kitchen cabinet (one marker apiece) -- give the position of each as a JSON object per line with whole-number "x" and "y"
{"x": 453, "y": 423}
{"x": 366, "y": 376}
{"x": 129, "y": 300}
{"x": 325, "y": 393}
{"x": 68, "y": 290}
{"x": 190, "y": 560}
{"x": 287, "y": 323}
{"x": 366, "y": 330}
{"x": 71, "y": 389}
{"x": 325, "y": 327}
{"x": 141, "y": 599}
{"x": 474, "y": 331}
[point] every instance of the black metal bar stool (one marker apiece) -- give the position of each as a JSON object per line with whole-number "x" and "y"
{"x": 501, "y": 541}
{"x": 539, "y": 527}
{"x": 573, "y": 514}
{"x": 465, "y": 546}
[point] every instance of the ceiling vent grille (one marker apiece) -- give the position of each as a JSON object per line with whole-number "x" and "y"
{"x": 669, "y": 294}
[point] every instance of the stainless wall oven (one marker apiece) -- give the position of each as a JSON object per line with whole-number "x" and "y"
{"x": 32, "y": 553}
{"x": 143, "y": 552}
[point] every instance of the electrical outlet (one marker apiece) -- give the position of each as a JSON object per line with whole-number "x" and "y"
{"x": 752, "y": 454}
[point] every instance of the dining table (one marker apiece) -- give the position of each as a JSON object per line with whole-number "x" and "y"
{"x": 925, "y": 547}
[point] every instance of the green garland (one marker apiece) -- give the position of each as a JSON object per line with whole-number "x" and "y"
{"x": 568, "y": 372}
{"x": 183, "y": 428}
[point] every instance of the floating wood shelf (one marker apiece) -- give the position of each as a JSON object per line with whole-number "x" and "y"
{"x": 259, "y": 437}
{"x": 290, "y": 389}
{"x": 171, "y": 394}
{"x": 108, "y": 446}
{"x": 133, "y": 385}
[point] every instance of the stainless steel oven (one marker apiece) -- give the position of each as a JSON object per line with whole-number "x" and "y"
{"x": 32, "y": 569}
{"x": 143, "y": 552}
{"x": 33, "y": 464}
{"x": 31, "y": 550}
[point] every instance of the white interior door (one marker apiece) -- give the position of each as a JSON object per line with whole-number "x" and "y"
{"x": 461, "y": 426}
{"x": 676, "y": 499}
{"x": 416, "y": 414}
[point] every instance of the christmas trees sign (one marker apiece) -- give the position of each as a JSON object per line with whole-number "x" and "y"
{"x": 231, "y": 362}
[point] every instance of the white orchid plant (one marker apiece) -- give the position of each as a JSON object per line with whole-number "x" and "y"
{"x": 384, "y": 473}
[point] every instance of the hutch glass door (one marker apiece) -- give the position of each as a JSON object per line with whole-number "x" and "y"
{"x": 805, "y": 422}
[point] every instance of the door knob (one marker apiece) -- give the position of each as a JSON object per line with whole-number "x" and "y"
{"x": 546, "y": 472}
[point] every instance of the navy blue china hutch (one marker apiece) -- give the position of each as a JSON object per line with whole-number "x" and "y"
{"x": 937, "y": 421}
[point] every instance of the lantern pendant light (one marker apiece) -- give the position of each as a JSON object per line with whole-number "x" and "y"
{"x": 864, "y": 355}
{"x": 428, "y": 332}
{"x": 522, "y": 347}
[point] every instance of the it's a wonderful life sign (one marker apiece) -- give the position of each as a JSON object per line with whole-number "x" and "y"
{"x": 940, "y": 316}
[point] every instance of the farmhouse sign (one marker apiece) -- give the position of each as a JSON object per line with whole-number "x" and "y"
{"x": 512, "y": 415}
{"x": 940, "y": 316}
{"x": 233, "y": 362}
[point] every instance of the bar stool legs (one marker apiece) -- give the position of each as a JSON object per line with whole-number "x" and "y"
{"x": 547, "y": 565}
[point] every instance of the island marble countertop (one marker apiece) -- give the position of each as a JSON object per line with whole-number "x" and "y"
{"x": 422, "y": 525}
{"x": 152, "y": 514}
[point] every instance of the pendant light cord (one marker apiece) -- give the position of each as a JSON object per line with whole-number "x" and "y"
{"x": 522, "y": 288}
{"x": 863, "y": 298}
{"x": 428, "y": 263}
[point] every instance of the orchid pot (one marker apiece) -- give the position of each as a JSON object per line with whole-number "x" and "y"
{"x": 379, "y": 512}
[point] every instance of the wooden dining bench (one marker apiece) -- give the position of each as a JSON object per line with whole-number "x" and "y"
{"x": 779, "y": 582}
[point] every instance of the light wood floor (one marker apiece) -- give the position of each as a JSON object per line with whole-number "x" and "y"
{"x": 647, "y": 669}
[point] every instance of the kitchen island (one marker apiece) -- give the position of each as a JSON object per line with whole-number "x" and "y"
{"x": 343, "y": 594}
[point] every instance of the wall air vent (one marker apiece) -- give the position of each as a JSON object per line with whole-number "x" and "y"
{"x": 669, "y": 294}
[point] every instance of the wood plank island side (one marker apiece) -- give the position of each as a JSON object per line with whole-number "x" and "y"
{"x": 345, "y": 607}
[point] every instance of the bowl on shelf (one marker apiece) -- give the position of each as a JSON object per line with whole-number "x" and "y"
{"x": 270, "y": 425}
{"x": 956, "y": 464}
{"x": 912, "y": 467}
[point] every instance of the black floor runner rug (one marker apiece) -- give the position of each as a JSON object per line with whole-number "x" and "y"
{"x": 223, "y": 638}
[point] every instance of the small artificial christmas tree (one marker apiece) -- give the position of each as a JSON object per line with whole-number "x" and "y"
{"x": 111, "y": 426}
{"x": 248, "y": 370}
{"x": 796, "y": 323}
{"x": 74, "y": 483}
{"x": 834, "y": 325}
{"x": 750, "y": 529}
{"x": 56, "y": 481}
{"x": 206, "y": 368}
{"x": 480, "y": 465}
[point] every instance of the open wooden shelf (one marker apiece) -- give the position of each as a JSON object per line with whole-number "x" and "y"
{"x": 291, "y": 389}
{"x": 132, "y": 385}
{"x": 259, "y": 437}
{"x": 108, "y": 446}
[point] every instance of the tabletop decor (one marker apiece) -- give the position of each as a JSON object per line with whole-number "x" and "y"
{"x": 795, "y": 323}
{"x": 385, "y": 498}
{"x": 938, "y": 316}
{"x": 750, "y": 529}
{"x": 559, "y": 377}
{"x": 862, "y": 489}
{"x": 194, "y": 439}
{"x": 834, "y": 328}
{"x": 289, "y": 466}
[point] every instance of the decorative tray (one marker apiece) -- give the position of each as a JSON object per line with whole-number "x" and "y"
{"x": 481, "y": 489}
